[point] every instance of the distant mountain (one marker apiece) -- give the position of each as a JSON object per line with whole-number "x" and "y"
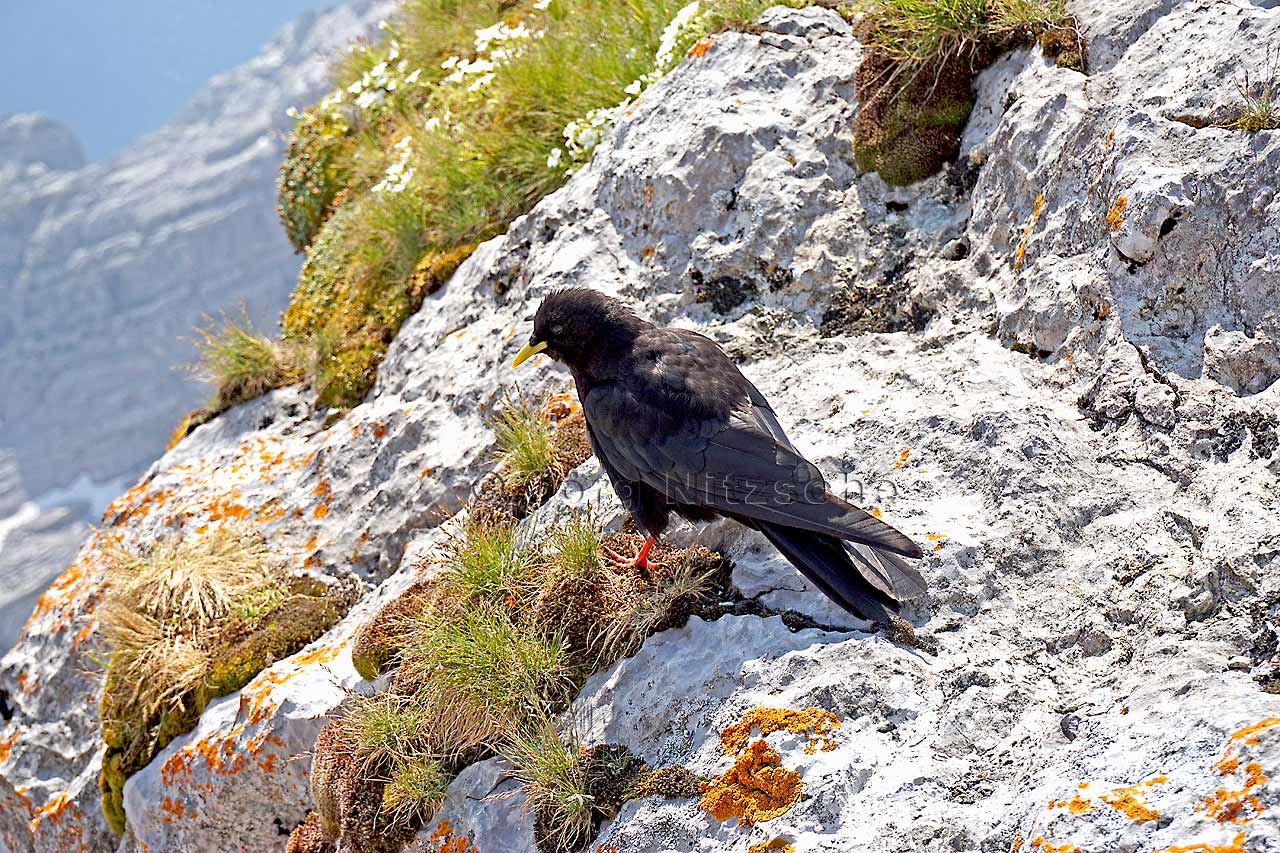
{"x": 106, "y": 267}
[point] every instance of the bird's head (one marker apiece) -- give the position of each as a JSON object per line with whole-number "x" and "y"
{"x": 578, "y": 326}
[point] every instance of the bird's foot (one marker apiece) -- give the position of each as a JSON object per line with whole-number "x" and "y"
{"x": 638, "y": 561}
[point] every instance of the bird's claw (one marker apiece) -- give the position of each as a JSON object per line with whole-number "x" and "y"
{"x": 639, "y": 560}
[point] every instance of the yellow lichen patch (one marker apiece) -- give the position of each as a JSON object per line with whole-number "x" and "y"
{"x": 1076, "y": 805}
{"x": 1115, "y": 216}
{"x": 1021, "y": 254}
{"x": 776, "y": 844}
{"x": 1236, "y": 845}
{"x": 756, "y": 787}
{"x": 1131, "y": 801}
{"x": 817, "y": 724}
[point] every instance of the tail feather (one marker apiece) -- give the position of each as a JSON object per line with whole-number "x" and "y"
{"x": 867, "y": 582}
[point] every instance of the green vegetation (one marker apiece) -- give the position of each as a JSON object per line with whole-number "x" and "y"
{"x": 1260, "y": 102}
{"x": 481, "y": 655}
{"x": 485, "y": 562}
{"x": 312, "y": 175}
{"x": 462, "y": 117}
{"x": 488, "y": 661}
{"x": 191, "y": 620}
{"x": 554, "y": 783}
{"x": 241, "y": 363}
{"x": 916, "y": 78}
{"x": 538, "y": 443}
{"x": 575, "y": 546}
{"x": 524, "y": 440}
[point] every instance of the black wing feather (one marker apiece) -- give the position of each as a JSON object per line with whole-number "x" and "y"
{"x": 685, "y": 422}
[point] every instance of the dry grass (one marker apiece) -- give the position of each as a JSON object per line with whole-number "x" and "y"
{"x": 159, "y": 604}
{"x": 1259, "y": 107}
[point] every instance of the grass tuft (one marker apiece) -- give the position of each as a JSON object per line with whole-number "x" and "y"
{"x": 241, "y": 363}
{"x": 554, "y": 784}
{"x": 480, "y": 655}
{"x": 575, "y": 545}
{"x": 1259, "y": 107}
{"x": 414, "y": 792}
{"x": 523, "y": 436}
{"x": 485, "y": 562}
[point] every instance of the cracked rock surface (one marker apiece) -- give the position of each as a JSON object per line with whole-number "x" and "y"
{"x": 1073, "y": 414}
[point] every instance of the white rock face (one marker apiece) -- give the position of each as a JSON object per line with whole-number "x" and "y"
{"x": 105, "y": 270}
{"x": 1102, "y": 549}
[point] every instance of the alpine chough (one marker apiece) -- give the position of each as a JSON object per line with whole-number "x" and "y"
{"x": 678, "y": 428}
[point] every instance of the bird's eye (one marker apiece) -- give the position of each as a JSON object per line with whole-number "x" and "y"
{"x": 557, "y": 330}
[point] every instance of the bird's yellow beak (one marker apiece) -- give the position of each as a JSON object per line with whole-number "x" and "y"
{"x": 528, "y": 351}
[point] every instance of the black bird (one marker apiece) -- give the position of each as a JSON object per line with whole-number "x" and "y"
{"x": 677, "y": 427}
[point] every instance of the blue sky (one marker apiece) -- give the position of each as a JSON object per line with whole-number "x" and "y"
{"x": 115, "y": 69}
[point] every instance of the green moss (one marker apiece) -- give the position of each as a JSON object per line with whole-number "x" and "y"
{"x": 311, "y": 176}
{"x": 914, "y": 83}
{"x": 380, "y": 640}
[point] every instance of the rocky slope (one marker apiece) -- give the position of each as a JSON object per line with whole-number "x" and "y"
{"x": 106, "y": 268}
{"x": 1055, "y": 364}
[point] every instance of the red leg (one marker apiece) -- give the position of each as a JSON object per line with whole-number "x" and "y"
{"x": 639, "y": 561}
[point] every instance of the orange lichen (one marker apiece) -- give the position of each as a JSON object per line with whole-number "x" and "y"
{"x": 1115, "y": 216}
{"x": 877, "y": 512}
{"x": 173, "y": 809}
{"x": 1076, "y": 805}
{"x": 1130, "y": 801}
{"x": 321, "y": 510}
{"x": 1236, "y": 845}
{"x": 1017, "y": 842}
{"x": 6, "y": 745}
{"x": 648, "y": 194}
{"x": 775, "y": 844}
{"x": 1240, "y": 805}
{"x": 445, "y": 840}
{"x": 1020, "y": 255}
{"x": 1236, "y": 806}
{"x": 756, "y": 787}
{"x": 1111, "y": 137}
{"x": 701, "y": 46}
{"x": 1039, "y": 843}
{"x": 647, "y": 252}
{"x": 816, "y": 724}
{"x": 902, "y": 457}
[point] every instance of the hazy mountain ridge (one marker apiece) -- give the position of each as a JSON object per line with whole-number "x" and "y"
{"x": 106, "y": 267}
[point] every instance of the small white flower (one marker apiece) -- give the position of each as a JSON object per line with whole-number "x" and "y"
{"x": 634, "y": 88}
{"x": 382, "y": 25}
{"x": 379, "y": 70}
{"x": 554, "y": 158}
{"x": 432, "y": 123}
{"x": 413, "y": 78}
{"x": 292, "y": 112}
{"x": 356, "y": 87}
{"x": 542, "y": 4}
{"x": 450, "y": 62}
